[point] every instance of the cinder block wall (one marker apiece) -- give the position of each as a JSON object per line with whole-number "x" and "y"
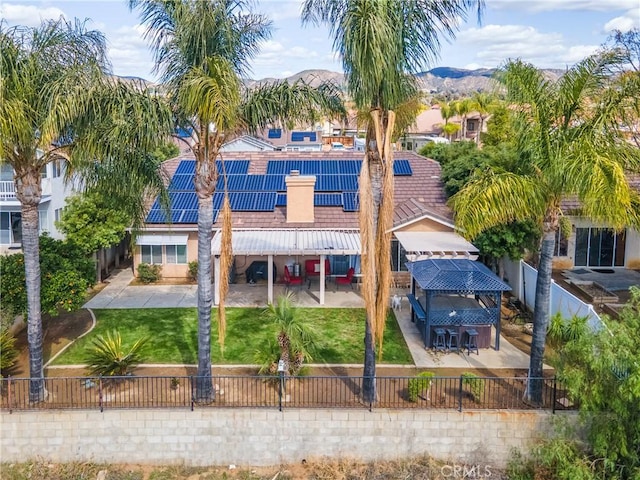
{"x": 267, "y": 437}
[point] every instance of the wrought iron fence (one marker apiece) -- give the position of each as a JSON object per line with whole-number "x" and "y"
{"x": 461, "y": 393}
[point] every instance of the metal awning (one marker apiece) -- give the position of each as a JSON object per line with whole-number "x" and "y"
{"x": 425, "y": 245}
{"x": 291, "y": 242}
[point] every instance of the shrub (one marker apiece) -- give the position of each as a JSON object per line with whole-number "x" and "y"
{"x": 149, "y": 273}
{"x": 561, "y": 331}
{"x": 8, "y": 350}
{"x": 193, "y": 270}
{"x": 419, "y": 384}
{"x": 107, "y": 357}
{"x": 475, "y": 384}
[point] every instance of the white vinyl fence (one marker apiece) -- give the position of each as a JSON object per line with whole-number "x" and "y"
{"x": 522, "y": 278}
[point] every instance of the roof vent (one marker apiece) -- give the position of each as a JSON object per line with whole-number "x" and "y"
{"x": 295, "y": 173}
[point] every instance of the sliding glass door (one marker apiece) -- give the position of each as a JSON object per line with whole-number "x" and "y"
{"x": 599, "y": 247}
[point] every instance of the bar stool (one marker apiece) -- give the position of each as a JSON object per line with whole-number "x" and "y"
{"x": 439, "y": 343}
{"x": 453, "y": 343}
{"x": 472, "y": 341}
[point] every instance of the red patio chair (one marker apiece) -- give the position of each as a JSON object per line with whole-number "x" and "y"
{"x": 289, "y": 279}
{"x": 347, "y": 279}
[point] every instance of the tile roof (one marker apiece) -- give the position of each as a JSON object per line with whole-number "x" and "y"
{"x": 415, "y": 195}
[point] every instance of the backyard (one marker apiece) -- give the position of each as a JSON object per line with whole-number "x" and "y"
{"x": 172, "y": 335}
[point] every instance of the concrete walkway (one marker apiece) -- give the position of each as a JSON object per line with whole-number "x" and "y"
{"x": 120, "y": 294}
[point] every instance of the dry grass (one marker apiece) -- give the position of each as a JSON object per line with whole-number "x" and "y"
{"x": 322, "y": 469}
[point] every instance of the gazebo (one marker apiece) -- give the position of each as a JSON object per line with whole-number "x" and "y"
{"x": 458, "y": 295}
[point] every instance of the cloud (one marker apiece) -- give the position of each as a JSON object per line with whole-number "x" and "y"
{"x": 278, "y": 10}
{"x": 129, "y": 53}
{"x": 624, "y": 23}
{"x": 28, "y": 15}
{"x": 494, "y": 44}
{"x": 562, "y": 5}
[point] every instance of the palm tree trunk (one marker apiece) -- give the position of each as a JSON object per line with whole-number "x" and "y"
{"x": 541, "y": 317}
{"x": 204, "y": 383}
{"x": 29, "y": 193}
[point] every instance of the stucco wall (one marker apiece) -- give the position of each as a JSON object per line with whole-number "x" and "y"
{"x": 267, "y": 437}
{"x": 425, "y": 225}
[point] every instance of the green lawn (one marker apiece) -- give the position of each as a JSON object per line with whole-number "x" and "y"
{"x": 172, "y": 334}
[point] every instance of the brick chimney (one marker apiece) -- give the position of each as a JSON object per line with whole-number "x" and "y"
{"x": 300, "y": 190}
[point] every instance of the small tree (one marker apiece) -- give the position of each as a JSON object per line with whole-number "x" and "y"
{"x": 295, "y": 336}
{"x": 107, "y": 357}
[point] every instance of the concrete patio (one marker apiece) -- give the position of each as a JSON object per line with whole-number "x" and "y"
{"x": 120, "y": 294}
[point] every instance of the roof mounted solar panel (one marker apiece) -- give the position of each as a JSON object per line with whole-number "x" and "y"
{"x": 281, "y": 200}
{"x": 275, "y": 133}
{"x": 218, "y": 197}
{"x": 183, "y": 200}
{"x": 402, "y": 168}
{"x": 349, "y": 183}
{"x": 156, "y": 215}
{"x": 293, "y": 165}
{"x": 182, "y": 182}
{"x": 233, "y": 167}
{"x": 350, "y": 202}
{"x": 186, "y": 167}
{"x": 265, "y": 201}
{"x": 329, "y": 183}
{"x": 277, "y": 167}
{"x": 176, "y": 215}
{"x": 255, "y": 183}
{"x": 349, "y": 167}
{"x": 311, "y": 167}
{"x": 274, "y": 183}
{"x": 327, "y": 199}
{"x": 189, "y": 216}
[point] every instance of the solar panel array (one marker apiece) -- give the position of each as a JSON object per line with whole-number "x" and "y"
{"x": 336, "y": 185}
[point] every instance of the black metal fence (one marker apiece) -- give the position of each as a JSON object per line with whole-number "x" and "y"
{"x": 278, "y": 392}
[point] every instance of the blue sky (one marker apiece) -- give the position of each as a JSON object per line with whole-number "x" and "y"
{"x": 547, "y": 33}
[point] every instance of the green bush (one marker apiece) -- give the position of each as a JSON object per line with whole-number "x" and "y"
{"x": 561, "y": 331}
{"x": 107, "y": 357}
{"x": 193, "y": 270}
{"x": 419, "y": 384}
{"x": 8, "y": 350}
{"x": 475, "y": 385}
{"x": 149, "y": 273}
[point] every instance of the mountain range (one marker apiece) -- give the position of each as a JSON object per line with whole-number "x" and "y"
{"x": 441, "y": 80}
{"x": 437, "y": 81}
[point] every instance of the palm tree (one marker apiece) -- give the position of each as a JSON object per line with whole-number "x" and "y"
{"x": 58, "y": 101}
{"x": 380, "y": 43}
{"x": 482, "y": 103}
{"x": 464, "y": 107}
{"x": 201, "y": 50}
{"x": 568, "y": 143}
{"x": 448, "y": 111}
{"x": 295, "y": 335}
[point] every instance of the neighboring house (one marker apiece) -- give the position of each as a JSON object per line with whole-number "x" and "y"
{"x": 294, "y": 140}
{"x": 428, "y": 128}
{"x": 293, "y": 207}
{"x": 248, "y": 143}
{"x": 594, "y": 245}
{"x": 54, "y": 193}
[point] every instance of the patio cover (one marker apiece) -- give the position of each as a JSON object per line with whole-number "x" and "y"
{"x": 419, "y": 245}
{"x": 291, "y": 242}
{"x": 458, "y": 275}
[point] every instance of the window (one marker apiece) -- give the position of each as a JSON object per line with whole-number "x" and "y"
{"x": 5, "y": 228}
{"x": 151, "y": 254}
{"x": 562, "y": 244}
{"x": 176, "y": 253}
{"x": 43, "y": 220}
{"x": 471, "y": 126}
{"x": 398, "y": 257}
{"x": 410, "y": 146}
{"x": 57, "y": 168}
{"x": 57, "y": 214}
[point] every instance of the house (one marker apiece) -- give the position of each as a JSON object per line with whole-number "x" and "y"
{"x": 428, "y": 128}
{"x": 248, "y": 143}
{"x": 594, "y": 245}
{"x": 300, "y": 209}
{"x": 54, "y": 193}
